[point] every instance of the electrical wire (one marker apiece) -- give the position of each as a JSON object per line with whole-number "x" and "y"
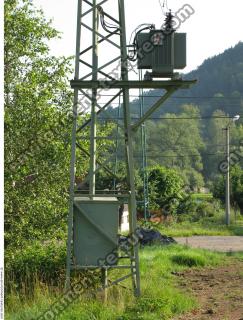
{"x": 190, "y": 118}
{"x": 181, "y": 156}
{"x": 106, "y": 25}
{"x": 179, "y": 97}
{"x": 177, "y": 148}
{"x": 139, "y": 29}
{"x": 171, "y": 118}
{"x": 165, "y": 4}
{"x": 162, "y": 7}
{"x": 102, "y": 14}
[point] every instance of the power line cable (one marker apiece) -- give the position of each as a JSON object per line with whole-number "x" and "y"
{"x": 182, "y": 156}
{"x": 172, "y": 118}
{"x": 162, "y": 6}
{"x": 175, "y": 97}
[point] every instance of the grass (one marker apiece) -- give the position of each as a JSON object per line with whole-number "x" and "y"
{"x": 160, "y": 299}
{"x": 188, "y": 229}
{"x": 202, "y": 196}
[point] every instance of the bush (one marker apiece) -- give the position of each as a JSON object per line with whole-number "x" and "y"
{"x": 195, "y": 210}
{"x": 165, "y": 189}
{"x": 187, "y": 206}
{"x": 43, "y": 262}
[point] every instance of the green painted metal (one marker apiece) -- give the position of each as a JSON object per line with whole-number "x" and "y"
{"x": 154, "y": 108}
{"x": 77, "y": 267}
{"x": 105, "y": 38}
{"x": 117, "y": 195}
{"x": 129, "y": 152}
{"x": 144, "y": 154}
{"x": 101, "y": 165}
{"x": 133, "y": 84}
{"x": 168, "y": 51}
{"x": 117, "y": 144}
{"x": 100, "y": 110}
{"x": 102, "y": 67}
{"x": 73, "y": 151}
{"x": 95, "y": 229}
{"x": 163, "y": 55}
{"x": 94, "y": 102}
{"x": 180, "y": 51}
{"x": 227, "y": 180}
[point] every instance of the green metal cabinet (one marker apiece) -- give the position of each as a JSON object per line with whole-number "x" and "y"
{"x": 95, "y": 229}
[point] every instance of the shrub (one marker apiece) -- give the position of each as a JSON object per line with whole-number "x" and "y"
{"x": 165, "y": 189}
{"x": 194, "y": 210}
{"x": 38, "y": 264}
{"x": 44, "y": 262}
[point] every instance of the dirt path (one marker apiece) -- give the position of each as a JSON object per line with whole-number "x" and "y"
{"x": 219, "y": 292}
{"x": 216, "y": 243}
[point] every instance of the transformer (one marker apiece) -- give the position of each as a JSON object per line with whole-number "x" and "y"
{"x": 162, "y": 52}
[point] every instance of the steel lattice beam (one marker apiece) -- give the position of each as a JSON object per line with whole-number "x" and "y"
{"x": 178, "y": 84}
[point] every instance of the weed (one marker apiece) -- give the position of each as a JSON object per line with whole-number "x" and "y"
{"x": 160, "y": 299}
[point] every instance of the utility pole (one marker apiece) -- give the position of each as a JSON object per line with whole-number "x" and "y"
{"x": 227, "y": 179}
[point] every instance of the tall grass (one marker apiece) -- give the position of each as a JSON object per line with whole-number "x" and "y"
{"x": 160, "y": 299}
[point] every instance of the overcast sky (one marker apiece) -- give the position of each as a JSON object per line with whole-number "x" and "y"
{"x": 215, "y": 26}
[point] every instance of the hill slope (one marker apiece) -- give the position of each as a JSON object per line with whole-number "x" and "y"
{"x": 220, "y": 77}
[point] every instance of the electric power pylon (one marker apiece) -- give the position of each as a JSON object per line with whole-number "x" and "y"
{"x": 105, "y": 56}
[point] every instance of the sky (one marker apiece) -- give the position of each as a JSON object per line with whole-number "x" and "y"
{"x": 215, "y": 25}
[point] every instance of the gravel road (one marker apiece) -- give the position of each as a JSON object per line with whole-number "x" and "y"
{"x": 215, "y": 243}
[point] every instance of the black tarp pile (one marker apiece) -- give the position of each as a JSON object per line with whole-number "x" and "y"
{"x": 148, "y": 237}
{"x": 152, "y": 236}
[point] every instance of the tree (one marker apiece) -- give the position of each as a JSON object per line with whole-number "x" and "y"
{"x": 236, "y": 180}
{"x": 170, "y": 142}
{"x": 237, "y": 186}
{"x": 193, "y": 179}
{"x": 165, "y": 187}
{"x": 236, "y": 143}
{"x": 37, "y": 126}
{"x": 38, "y": 114}
{"x": 215, "y": 142}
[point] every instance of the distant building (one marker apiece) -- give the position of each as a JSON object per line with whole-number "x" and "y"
{"x": 124, "y": 218}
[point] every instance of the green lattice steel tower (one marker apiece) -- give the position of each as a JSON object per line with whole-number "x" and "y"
{"x": 102, "y": 51}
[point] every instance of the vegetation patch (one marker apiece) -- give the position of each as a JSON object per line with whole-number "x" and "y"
{"x": 190, "y": 260}
{"x": 160, "y": 297}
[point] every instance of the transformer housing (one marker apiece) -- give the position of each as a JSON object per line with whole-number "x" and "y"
{"x": 161, "y": 52}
